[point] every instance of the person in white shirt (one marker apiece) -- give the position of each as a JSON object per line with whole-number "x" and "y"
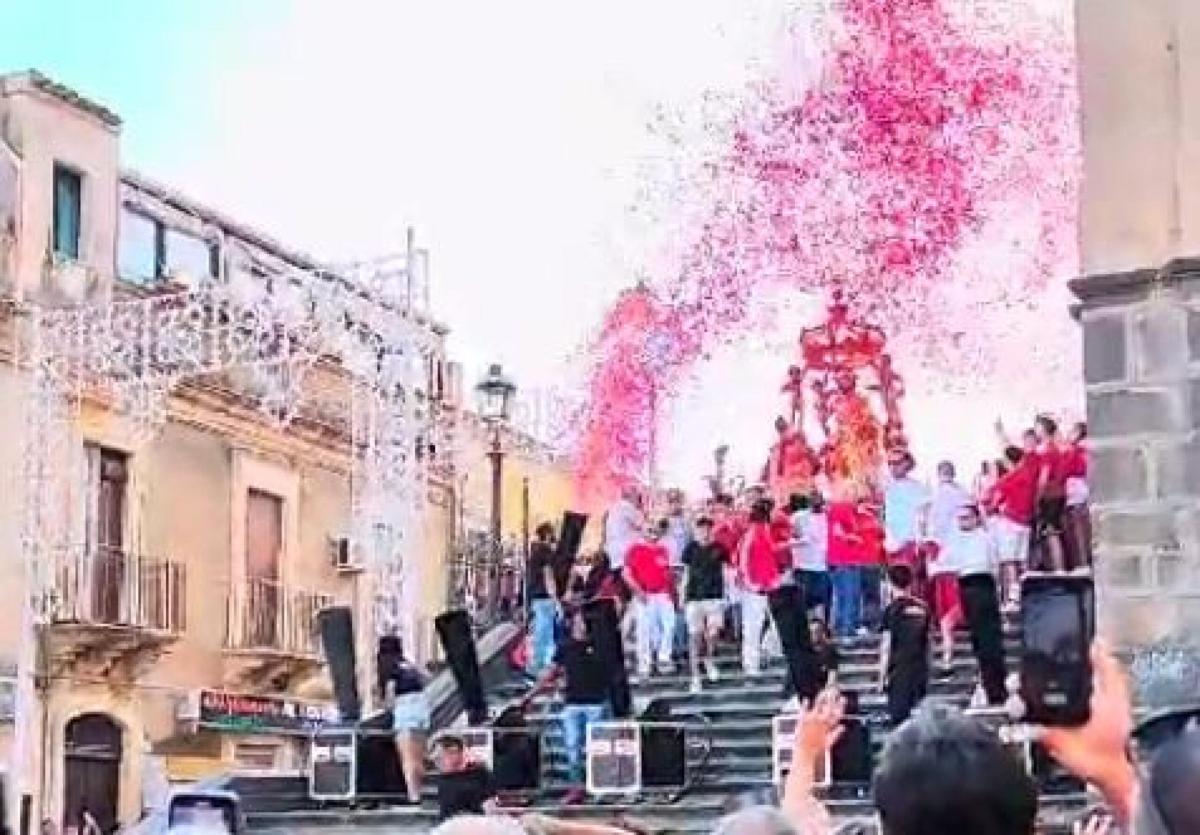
{"x": 947, "y": 499}
{"x": 974, "y": 557}
{"x": 624, "y": 526}
{"x": 810, "y": 553}
{"x": 905, "y": 508}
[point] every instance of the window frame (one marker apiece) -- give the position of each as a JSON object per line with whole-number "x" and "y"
{"x": 62, "y": 170}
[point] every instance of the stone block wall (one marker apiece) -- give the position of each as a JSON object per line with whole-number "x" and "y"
{"x": 1141, "y": 333}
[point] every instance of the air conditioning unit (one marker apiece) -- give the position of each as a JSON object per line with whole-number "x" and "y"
{"x": 344, "y": 554}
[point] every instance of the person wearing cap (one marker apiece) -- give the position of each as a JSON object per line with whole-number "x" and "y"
{"x": 463, "y": 787}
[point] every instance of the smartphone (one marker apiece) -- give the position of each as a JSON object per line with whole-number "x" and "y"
{"x": 1057, "y": 627}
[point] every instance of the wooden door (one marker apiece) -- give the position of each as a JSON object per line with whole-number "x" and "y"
{"x": 92, "y": 772}
{"x": 264, "y": 544}
{"x": 109, "y": 475}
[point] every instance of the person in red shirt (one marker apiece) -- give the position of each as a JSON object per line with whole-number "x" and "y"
{"x": 1051, "y": 495}
{"x": 1077, "y": 521}
{"x": 758, "y": 574}
{"x": 1016, "y": 500}
{"x": 855, "y": 553}
{"x": 648, "y": 574}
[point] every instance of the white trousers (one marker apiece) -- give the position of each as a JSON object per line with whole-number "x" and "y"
{"x": 655, "y": 629}
{"x": 755, "y": 614}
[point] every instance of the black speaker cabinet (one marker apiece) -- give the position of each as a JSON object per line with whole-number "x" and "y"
{"x": 336, "y": 624}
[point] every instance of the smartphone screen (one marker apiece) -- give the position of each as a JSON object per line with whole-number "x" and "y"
{"x": 1056, "y": 638}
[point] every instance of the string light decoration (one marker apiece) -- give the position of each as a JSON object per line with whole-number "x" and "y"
{"x": 266, "y": 336}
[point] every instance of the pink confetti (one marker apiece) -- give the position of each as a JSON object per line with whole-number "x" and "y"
{"x": 932, "y": 120}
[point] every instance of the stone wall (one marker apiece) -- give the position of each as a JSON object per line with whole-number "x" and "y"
{"x": 1141, "y": 333}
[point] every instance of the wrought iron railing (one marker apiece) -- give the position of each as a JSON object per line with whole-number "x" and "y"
{"x": 485, "y": 579}
{"x": 110, "y": 587}
{"x": 269, "y": 615}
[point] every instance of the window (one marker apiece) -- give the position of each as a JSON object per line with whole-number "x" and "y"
{"x": 264, "y": 544}
{"x": 107, "y": 564}
{"x": 68, "y": 211}
{"x": 137, "y": 251}
{"x": 108, "y": 477}
{"x": 186, "y": 254}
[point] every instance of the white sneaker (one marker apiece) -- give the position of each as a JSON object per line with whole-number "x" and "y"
{"x": 643, "y": 673}
{"x": 792, "y": 705}
{"x": 710, "y": 667}
{"x": 696, "y": 688}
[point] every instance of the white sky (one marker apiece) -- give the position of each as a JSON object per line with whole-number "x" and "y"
{"x": 513, "y": 136}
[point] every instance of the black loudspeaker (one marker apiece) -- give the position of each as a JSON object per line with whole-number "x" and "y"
{"x": 337, "y": 639}
{"x": 454, "y": 629}
{"x": 379, "y": 772}
{"x": 516, "y": 752}
{"x": 571, "y": 536}
{"x": 664, "y": 748}
{"x": 787, "y": 610}
{"x": 605, "y": 631}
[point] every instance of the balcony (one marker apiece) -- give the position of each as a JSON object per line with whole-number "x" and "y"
{"x": 108, "y": 608}
{"x": 271, "y": 632}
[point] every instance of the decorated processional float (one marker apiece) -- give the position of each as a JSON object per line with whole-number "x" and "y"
{"x": 843, "y": 410}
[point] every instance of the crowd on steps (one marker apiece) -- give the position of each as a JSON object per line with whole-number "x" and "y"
{"x": 911, "y": 561}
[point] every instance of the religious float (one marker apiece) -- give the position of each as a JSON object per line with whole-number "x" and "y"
{"x": 843, "y": 408}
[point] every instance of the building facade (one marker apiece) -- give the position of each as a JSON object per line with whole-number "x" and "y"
{"x": 168, "y": 628}
{"x": 1140, "y": 315}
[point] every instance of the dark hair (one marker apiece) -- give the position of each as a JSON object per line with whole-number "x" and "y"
{"x": 817, "y": 502}
{"x": 725, "y": 499}
{"x": 1001, "y": 467}
{"x": 1082, "y": 428}
{"x": 797, "y": 502}
{"x": 1014, "y": 454}
{"x": 900, "y": 576}
{"x": 944, "y": 773}
{"x": 1173, "y": 777}
{"x": 760, "y": 511}
{"x": 662, "y": 525}
{"x": 946, "y": 467}
{"x": 544, "y": 531}
{"x": 1047, "y": 423}
{"x": 703, "y": 522}
{"x": 451, "y": 742}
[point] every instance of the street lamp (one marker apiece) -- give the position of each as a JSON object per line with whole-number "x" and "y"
{"x": 494, "y": 394}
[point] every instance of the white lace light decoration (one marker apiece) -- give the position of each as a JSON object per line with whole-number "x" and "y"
{"x": 130, "y": 355}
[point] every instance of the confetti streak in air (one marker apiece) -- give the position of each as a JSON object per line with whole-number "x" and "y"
{"x": 932, "y": 120}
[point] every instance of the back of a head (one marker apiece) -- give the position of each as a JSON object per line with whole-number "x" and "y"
{"x": 1173, "y": 796}
{"x": 756, "y": 820}
{"x": 480, "y": 825}
{"x": 944, "y": 773}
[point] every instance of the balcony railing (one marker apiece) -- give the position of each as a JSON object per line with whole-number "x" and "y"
{"x": 268, "y": 615}
{"x": 485, "y": 579}
{"x": 109, "y": 587}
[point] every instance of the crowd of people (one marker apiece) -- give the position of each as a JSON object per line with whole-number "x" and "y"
{"x": 911, "y": 561}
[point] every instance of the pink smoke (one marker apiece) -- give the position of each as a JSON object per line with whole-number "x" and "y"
{"x": 929, "y": 122}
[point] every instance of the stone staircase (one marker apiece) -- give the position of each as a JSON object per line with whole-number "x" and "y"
{"x": 731, "y": 718}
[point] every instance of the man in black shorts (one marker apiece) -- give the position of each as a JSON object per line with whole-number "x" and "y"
{"x": 904, "y": 649}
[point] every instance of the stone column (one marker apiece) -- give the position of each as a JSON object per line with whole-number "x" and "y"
{"x": 1141, "y": 332}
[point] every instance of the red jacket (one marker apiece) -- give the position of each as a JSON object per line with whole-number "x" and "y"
{"x": 758, "y": 560}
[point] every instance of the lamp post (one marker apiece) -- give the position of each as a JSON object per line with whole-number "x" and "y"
{"x": 494, "y": 394}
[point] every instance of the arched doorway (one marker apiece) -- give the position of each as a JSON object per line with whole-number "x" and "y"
{"x": 92, "y": 772}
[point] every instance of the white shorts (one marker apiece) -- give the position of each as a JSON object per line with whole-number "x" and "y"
{"x": 705, "y": 615}
{"x": 1012, "y": 541}
{"x": 1077, "y": 492}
